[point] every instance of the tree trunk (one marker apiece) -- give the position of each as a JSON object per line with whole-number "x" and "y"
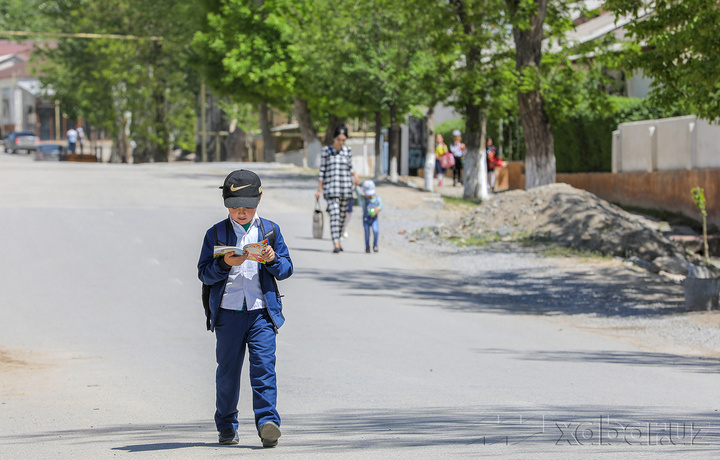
{"x": 475, "y": 161}
{"x": 124, "y": 146}
{"x": 235, "y": 144}
{"x": 394, "y": 145}
{"x": 429, "y": 170}
{"x": 160, "y": 150}
{"x": 307, "y": 130}
{"x": 268, "y": 143}
{"x": 539, "y": 143}
{"x": 378, "y": 147}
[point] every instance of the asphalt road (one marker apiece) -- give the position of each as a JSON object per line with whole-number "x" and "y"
{"x": 104, "y": 353}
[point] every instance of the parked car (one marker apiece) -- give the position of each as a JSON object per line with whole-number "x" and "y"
{"x": 49, "y": 152}
{"x": 21, "y": 140}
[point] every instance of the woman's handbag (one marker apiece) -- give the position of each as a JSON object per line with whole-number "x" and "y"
{"x": 447, "y": 160}
{"x": 317, "y": 220}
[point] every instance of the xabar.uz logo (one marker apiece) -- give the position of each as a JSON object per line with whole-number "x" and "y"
{"x": 607, "y": 432}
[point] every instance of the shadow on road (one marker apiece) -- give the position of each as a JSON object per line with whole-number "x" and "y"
{"x": 647, "y": 359}
{"x": 624, "y": 429}
{"x": 524, "y": 291}
{"x": 438, "y": 426}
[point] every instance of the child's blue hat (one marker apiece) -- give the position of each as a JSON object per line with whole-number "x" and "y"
{"x": 369, "y": 187}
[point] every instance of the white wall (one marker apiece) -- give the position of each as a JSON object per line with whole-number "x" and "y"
{"x": 707, "y": 153}
{"x": 636, "y": 146}
{"x": 666, "y": 145}
{"x": 673, "y": 143}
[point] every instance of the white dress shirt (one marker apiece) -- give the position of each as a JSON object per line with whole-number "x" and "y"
{"x": 243, "y": 282}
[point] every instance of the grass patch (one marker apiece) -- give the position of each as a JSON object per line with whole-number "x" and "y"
{"x": 558, "y": 250}
{"x": 462, "y": 202}
{"x": 476, "y": 240}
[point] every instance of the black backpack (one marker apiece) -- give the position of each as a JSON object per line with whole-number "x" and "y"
{"x": 269, "y": 235}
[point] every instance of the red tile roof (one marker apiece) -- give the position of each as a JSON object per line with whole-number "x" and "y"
{"x": 19, "y": 70}
{"x": 24, "y": 49}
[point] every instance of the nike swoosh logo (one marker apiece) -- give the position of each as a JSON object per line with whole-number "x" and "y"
{"x": 235, "y": 189}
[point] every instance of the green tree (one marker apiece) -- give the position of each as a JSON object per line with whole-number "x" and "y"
{"x": 358, "y": 58}
{"x": 133, "y": 88}
{"x": 481, "y": 78}
{"x": 550, "y": 84}
{"x": 676, "y": 45}
{"x": 528, "y": 20}
{"x": 245, "y": 51}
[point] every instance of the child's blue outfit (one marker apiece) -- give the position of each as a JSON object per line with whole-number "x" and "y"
{"x": 245, "y": 310}
{"x": 369, "y": 206}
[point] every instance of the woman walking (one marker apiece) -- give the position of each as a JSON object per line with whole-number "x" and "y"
{"x": 336, "y": 182}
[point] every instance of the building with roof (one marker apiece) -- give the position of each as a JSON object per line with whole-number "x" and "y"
{"x": 24, "y": 105}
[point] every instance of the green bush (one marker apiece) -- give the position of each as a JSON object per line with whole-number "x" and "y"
{"x": 583, "y": 141}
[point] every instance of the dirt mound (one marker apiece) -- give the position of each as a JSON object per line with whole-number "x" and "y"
{"x": 568, "y": 216}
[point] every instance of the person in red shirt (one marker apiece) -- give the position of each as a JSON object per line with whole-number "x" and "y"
{"x": 493, "y": 161}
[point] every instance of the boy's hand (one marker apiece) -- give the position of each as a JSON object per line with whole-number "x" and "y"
{"x": 268, "y": 254}
{"x": 235, "y": 260}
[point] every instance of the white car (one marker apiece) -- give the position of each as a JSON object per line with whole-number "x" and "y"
{"x": 21, "y": 140}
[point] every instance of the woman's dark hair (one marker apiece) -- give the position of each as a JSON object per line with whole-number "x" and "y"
{"x": 342, "y": 129}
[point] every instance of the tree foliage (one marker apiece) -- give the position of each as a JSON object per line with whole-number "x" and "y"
{"x": 676, "y": 44}
{"x": 244, "y": 50}
{"x": 103, "y": 79}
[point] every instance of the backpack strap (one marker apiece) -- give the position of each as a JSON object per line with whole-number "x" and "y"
{"x": 270, "y": 234}
{"x": 223, "y": 241}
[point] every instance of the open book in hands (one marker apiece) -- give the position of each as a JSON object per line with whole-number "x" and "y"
{"x": 254, "y": 250}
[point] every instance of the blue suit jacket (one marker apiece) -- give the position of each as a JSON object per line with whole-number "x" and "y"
{"x": 214, "y": 271}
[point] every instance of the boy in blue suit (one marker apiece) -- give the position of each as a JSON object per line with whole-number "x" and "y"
{"x": 245, "y": 307}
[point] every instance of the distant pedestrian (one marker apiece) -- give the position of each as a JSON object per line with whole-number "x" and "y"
{"x": 245, "y": 307}
{"x": 458, "y": 150}
{"x": 81, "y": 139}
{"x": 71, "y": 137}
{"x": 371, "y": 206}
{"x": 336, "y": 182}
{"x": 493, "y": 161}
{"x": 440, "y": 150}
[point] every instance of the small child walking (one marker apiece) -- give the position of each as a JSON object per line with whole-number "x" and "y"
{"x": 371, "y": 204}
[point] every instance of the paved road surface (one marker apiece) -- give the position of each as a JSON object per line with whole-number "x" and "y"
{"x": 103, "y": 352}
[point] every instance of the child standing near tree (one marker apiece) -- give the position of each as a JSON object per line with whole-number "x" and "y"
{"x": 370, "y": 204}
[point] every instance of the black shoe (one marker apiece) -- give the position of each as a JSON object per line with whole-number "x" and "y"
{"x": 367, "y": 249}
{"x": 336, "y": 250}
{"x": 375, "y": 248}
{"x": 228, "y": 437}
{"x": 341, "y": 248}
{"x": 269, "y": 433}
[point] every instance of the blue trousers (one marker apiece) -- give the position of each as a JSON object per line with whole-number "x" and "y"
{"x": 234, "y": 331}
{"x": 368, "y": 223}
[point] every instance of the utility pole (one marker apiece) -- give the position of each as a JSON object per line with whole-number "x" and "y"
{"x": 203, "y": 128}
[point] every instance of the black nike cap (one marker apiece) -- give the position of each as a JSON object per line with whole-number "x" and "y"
{"x": 242, "y": 189}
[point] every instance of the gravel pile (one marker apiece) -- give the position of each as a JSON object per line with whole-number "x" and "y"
{"x": 570, "y": 217}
